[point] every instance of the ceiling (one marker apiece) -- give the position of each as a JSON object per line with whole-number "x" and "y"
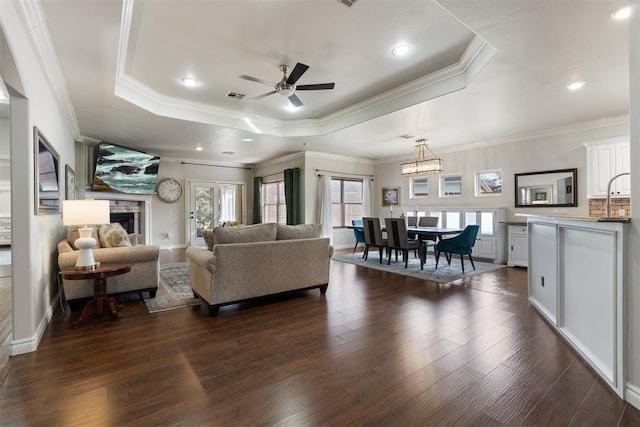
{"x": 477, "y": 71}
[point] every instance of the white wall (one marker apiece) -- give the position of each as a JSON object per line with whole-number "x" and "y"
{"x": 560, "y": 151}
{"x": 171, "y": 217}
{"x": 632, "y": 393}
{"x": 35, "y": 236}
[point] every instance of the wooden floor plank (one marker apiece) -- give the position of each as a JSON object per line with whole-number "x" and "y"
{"x": 378, "y": 349}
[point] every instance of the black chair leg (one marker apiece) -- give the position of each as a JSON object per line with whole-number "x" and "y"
{"x": 471, "y": 259}
{"x": 405, "y": 254}
{"x": 388, "y": 257}
{"x": 462, "y": 262}
{"x": 437, "y": 258}
{"x": 366, "y": 252}
{"x": 354, "y": 248}
{"x": 381, "y": 254}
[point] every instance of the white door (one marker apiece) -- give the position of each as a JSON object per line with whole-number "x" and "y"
{"x": 212, "y": 204}
{"x": 203, "y": 209}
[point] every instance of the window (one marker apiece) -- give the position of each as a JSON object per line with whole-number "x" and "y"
{"x": 451, "y": 185}
{"x": 346, "y": 201}
{"x": 274, "y": 207}
{"x": 418, "y": 187}
{"x": 228, "y": 203}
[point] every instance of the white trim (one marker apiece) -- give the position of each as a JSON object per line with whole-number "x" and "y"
{"x": 327, "y": 156}
{"x": 169, "y": 247}
{"x": 632, "y": 395}
{"x": 48, "y": 59}
{"x": 28, "y": 345}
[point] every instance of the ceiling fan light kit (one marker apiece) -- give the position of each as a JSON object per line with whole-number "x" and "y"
{"x": 287, "y": 86}
{"x": 419, "y": 164}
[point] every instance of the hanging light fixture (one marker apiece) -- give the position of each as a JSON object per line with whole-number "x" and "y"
{"x": 418, "y": 164}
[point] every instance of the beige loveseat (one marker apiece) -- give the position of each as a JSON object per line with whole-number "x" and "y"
{"x": 259, "y": 260}
{"x": 113, "y": 245}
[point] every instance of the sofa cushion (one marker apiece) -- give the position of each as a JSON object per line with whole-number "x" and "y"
{"x": 301, "y": 231}
{"x": 250, "y": 233}
{"x": 113, "y": 236}
{"x": 73, "y": 235}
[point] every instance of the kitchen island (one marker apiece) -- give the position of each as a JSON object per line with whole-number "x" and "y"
{"x": 577, "y": 279}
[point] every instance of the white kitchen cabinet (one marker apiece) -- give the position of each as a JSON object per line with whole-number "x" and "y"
{"x": 5, "y": 230}
{"x": 605, "y": 160}
{"x": 518, "y": 246}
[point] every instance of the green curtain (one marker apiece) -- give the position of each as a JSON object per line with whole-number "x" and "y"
{"x": 257, "y": 200}
{"x": 292, "y": 195}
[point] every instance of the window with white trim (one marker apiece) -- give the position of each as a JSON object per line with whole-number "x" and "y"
{"x": 274, "y": 205}
{"x": 346, "y": 201}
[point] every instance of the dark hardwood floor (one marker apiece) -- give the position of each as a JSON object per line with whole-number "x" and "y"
{"x": 378, "y": 349}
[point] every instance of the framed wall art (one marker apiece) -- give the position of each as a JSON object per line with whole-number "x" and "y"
{"x": 69, "y": 183}
{"x": 489, "y": 183}
{"x": 391, "y": 196}
{"x": 46, "y": 172}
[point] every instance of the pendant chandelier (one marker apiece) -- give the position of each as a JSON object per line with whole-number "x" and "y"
{"x": 418, "y": 164}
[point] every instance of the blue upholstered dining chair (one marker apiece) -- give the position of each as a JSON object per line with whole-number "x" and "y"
{"x": 462, "y": 244}
{"x": 358, "y": 233}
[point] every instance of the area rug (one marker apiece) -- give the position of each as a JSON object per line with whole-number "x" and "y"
{"x": 174, "y": 290}
{"x": 444, "y": 274}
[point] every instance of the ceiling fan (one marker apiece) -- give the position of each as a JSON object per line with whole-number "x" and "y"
{"x": 287, "y": 86}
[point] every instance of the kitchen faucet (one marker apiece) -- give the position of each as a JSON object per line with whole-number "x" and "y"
{"x": 608, "y": 215}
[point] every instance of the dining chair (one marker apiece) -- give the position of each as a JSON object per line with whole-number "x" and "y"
{"x": 373, "y": 236}
{"x": 358, "y": 233}
{"x": 411, "y": 221}
{"x": 461, "y": 244}
{"x": 428, "y": 221}
{"x": 398, "y": 239}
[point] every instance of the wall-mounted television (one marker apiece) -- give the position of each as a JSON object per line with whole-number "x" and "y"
{"x": 125, "y": 170}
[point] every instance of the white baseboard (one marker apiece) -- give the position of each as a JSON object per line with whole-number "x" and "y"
{"x": 28, "y": 345}
{"x": 632, "y": 395}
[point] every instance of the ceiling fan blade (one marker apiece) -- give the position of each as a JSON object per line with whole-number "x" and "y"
{"x": 257, "y": 80}
{"x": 319, "y": 86}
{"x": 295, "y": 101}
{"x": 297, "y": 72}
{"x": 261, "y": 96}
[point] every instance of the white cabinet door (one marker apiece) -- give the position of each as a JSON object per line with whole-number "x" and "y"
{"x": 485, "y": 247}
{"x": 518, "y": 246}
{"x": 604, "y": 161}
{"x": 543, "y": 273}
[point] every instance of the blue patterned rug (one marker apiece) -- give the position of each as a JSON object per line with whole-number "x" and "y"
{"x": 444, "y": 274}
{"x": 174, "y": 290}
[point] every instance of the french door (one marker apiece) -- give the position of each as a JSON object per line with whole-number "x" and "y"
{"x": 212, "y": 204}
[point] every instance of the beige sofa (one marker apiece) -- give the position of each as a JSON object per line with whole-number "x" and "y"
{"x": 258, "y": 260}
{"x": 145, "y": 267}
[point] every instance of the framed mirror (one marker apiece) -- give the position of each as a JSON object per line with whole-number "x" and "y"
{"x": 46, "y": 189}
{"x": 555, "y": 188}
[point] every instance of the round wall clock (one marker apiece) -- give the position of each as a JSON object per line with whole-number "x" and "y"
{"x": 169, "y": 190}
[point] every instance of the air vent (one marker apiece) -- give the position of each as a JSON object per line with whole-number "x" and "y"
{"x": 235, "y": 95}
{"x": 347, "y": 3}
{"x": 407, "y": 136}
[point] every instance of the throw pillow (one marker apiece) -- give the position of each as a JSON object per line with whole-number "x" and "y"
{"x": 73, "y": 235}
{"x": 207, "y": 234}
{"x": 113, "y": 236}
{"x": 250, "y": 233}
{"x": 301, "y": 231}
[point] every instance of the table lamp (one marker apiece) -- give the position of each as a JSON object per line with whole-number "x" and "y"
{"x": 84, "y": 212}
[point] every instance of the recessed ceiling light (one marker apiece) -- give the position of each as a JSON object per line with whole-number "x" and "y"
{"x": 247, "y": 139}
{"x": 198, "y": 148}
{"x": 576, "y": 85}
{"x": 621, "y": 13}
{"x": 401, "y": 49}
{"x": 190, "y": 81}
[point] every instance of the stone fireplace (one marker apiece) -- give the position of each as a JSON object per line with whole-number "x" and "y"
{"x": 133, "y": 211}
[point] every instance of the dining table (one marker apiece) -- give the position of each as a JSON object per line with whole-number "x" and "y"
{"x": 423, "y": 233}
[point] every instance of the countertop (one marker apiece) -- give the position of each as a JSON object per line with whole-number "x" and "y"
{"x": 577, "y": 218}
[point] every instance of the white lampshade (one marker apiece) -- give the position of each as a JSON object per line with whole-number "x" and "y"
{"x": 84, "y": 212}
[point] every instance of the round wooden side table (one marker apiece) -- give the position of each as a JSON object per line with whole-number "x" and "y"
{"x": 100, "y": 299}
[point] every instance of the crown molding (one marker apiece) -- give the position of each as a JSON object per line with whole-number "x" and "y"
{"x": 447, "y": 80}
{"x": 327, "y": 156}
{"x": 46, "y": 54}
{"x": 546, "y": 133}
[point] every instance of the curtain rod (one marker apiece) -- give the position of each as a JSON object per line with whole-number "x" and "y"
{"x": 343, "y": 173}
{"x": 272, "y": 174}
{"x": 217, "y": 166}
